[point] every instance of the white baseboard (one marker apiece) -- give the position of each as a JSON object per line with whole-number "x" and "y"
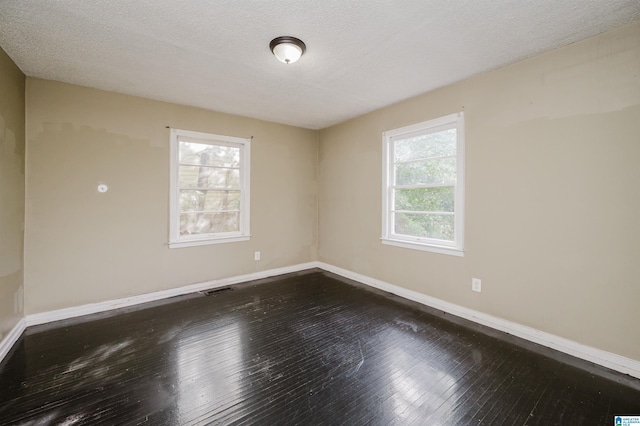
{"x": 597, "y": 356}
{"x": 11, "y": 338}
{"x": 92, "y": 308}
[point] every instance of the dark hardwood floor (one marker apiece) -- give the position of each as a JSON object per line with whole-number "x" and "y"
{"x": 308, "y": 348}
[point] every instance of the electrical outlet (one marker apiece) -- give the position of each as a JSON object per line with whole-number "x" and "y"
{"x": 476, "y": 284}
{"x": 256, "y": 255}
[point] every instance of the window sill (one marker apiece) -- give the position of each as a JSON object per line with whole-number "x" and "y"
{"x": 208, "y": 241}
{"x": 424, "y": 247}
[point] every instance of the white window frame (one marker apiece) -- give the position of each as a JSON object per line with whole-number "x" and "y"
{"x": 175, "y": 239}
{"x": 455, "y": 247}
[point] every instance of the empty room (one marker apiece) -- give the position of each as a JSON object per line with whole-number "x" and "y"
{"x": 320, "y": 212}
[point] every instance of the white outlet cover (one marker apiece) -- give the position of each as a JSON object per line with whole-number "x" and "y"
{"x": 476, "y": 285}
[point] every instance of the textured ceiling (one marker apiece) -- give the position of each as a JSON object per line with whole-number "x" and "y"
{"x": 361, "y": 55}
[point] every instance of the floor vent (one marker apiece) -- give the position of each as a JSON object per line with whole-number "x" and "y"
{"x": 215, "y": 290}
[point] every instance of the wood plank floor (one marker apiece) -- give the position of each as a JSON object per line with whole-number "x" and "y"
{"x": 307, "y": 349}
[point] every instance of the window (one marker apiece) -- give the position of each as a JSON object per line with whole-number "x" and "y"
{"x": 209, "y": 189}
{"x": 423, "y": 186}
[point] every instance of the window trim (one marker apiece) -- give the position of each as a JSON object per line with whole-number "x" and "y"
{"x": 244, "y": 234}
{"x": 456, "y": 247}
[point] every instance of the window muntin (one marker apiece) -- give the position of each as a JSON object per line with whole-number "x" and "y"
{"x": 209, "y": 188}
{"x": 423, "y": 188}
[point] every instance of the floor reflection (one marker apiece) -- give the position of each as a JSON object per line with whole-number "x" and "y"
{"x": 418, "y": 374}
{"x": 209, "y": 370}
{"x": 303, "y": 350}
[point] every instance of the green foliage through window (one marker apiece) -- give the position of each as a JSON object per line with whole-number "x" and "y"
{"x": 436, "y": 226}
{"x": 423, "y": 184}
{"x": 425, "y": 163}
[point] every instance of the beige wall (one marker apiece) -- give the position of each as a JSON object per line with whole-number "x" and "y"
{"x": 553, "y": 155}
{"x": 553, "y": 204}
{"x": 83, "y": 246}
{"x": 11, "y": 192}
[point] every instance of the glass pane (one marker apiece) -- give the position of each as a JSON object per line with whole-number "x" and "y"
{"x": 425, "y": 225}
{"x": 425, "y": 199}
{"x": 199, "y": 201}
{"x": 442, "y": 170}
{"x": 203, "y": 177}
{"x": 436, "y": 144}
{"x": 209, "y": 155}
{"x": 209, "y": 223}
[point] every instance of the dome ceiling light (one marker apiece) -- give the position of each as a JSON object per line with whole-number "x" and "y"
{"x": 287, "y": 49}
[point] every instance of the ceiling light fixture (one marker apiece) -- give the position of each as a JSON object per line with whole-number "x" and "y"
{"x": 287, "y": 49}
